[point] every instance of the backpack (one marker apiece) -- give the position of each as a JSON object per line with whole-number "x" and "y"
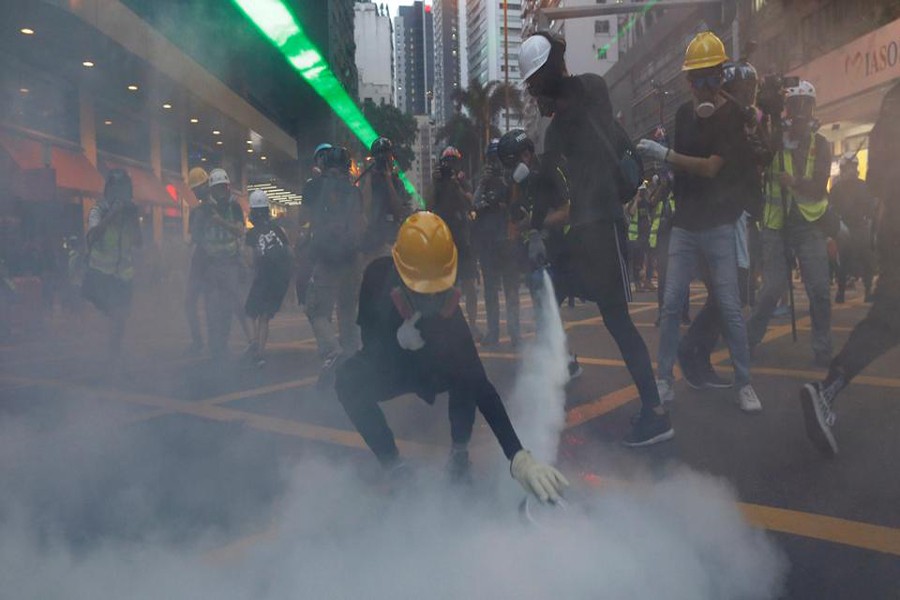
{"x": 336, "y": 222}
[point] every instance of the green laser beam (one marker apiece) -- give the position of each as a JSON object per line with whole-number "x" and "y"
{"x": 277, "y": 23}
{"x": 602, "y": 52}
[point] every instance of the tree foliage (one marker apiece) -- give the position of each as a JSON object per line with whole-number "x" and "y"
{"x": 390, "y": 122}
{"x": 483, "y": 105}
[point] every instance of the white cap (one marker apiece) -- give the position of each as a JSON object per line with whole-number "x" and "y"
{"x": 259, "y": 199}
{"x": 805, "y": 88}
{"x": 218, "y": 177}
{"x": 533, "y": 54}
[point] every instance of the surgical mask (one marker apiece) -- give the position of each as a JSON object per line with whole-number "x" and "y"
{"x": 521, "y": 172}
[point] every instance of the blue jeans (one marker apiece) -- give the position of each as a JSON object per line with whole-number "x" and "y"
{"x": 717, "y": 248}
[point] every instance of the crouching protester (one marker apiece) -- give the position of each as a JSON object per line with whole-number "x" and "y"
{"x": 416, "y": 340}
{"x": 114, "y": 232}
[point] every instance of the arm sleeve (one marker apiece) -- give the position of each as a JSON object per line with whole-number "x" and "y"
{"x": 94, "y": 217}
{"x": 816, "y": 186}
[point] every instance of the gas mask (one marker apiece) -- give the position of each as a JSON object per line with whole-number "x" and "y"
{"x": 521, "y": 172}
{"x": 705, "y": 110}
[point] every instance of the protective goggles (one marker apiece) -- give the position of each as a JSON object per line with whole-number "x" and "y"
{"x": 709, "y": 82}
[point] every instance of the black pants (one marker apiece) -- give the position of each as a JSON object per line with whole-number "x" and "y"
{"x": 878, "y": 332}
{"x": 857, "y": 258}
{"x": 500, "y": 268}
{"x": 599, "y": 258}
{"x": 363, "y": 382}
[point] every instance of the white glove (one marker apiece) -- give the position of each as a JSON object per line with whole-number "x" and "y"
{"x": 408, "y": 336}
{"x": 653, "y": 150}
{"x": 544, "y": 481}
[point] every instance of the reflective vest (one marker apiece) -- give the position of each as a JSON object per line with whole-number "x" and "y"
{"x": 773, "y": 217}
{"x": 657, "y": 218}
{"x": 112, "y": 253}
{"x": 634, "y": 223}
{"x": 217, "y": 241}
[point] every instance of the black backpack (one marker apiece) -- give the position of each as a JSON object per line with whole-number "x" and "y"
{"x": 620, "y": 149}
{"x": 336, "y": 223}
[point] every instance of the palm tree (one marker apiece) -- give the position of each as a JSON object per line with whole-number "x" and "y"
{"x": 484, "y": 103}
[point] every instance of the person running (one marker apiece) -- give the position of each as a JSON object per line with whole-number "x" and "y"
{"x": 218, "y": 232}
{"x": 857, "y": 207}
{"x": 797, "y": 179}
{"x": 579, "y": 136}
{"x": 336, "y": 228}
{"x": 453, "y": 203}
{"x": 416, "y": 341}
{"x": 497, "y": 250}
{"x": 385, "y": 203}
{"x": 879, "y": 331}
{"x": 198, "y": 180}
{"x": 709, "y": 158}
{"x": 114, "y": 235}
{"x": 271, "y": 272}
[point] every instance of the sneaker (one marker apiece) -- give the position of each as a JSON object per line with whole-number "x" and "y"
{"x": 819, "y": 419}
{"x": 459, "y": 467}
{"x": 666, "y": 391}
{"x": 689, "y": 370}
{"x": 649, "y": 429}
{"x": 714, "y": 381}
{"x": 575, "y": 369}
{"x": 748, "y": 400}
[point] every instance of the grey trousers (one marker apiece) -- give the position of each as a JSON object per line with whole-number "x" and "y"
{"x": 807, "y": 242}
{"x": 334, "y": 287}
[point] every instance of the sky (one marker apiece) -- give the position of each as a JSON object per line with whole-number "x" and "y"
{"x": 394, "y": 4}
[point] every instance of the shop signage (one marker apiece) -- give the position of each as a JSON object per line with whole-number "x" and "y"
{"x": 864, "y": 63}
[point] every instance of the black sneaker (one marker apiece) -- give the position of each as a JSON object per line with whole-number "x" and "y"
{"x": 575, "y": 370}
{"x": 692, "y": 374}
{"x": 649, "y": 429}
{"x": 459, "y": 467}
{"x": 712, "y": 380}
{"x": 819, "y": 419}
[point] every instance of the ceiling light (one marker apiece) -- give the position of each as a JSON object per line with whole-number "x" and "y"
{"x": 249, "y": 150}
{"x": 203, "y": 159}
{"x": 132, "y": 88}
{"x": 195, "y": 120}
{"x": 167, "y": 106}
{"x": 219, "y": 143}
{"x": 23, "y": 90}
{"x": 249, "y": 141}
{"x": 107, "y": 122}
{"x": 262, "y": 158}
{"x": 88, "y": 64}
{"x": 26, "y": 31}
{"x": 216, "y": 132}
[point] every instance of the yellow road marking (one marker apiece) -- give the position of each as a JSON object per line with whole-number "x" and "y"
{"x": 821, "y": 527}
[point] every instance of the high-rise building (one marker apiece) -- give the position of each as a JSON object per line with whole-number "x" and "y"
{"x": 489, "y": 49}
{"x": 419, "y": 172}
{"x": 446, "y": 58}
{"x": 373, "y": 34}
{"x": 414, "y": 28}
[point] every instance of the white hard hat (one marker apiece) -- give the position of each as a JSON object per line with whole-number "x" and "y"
{"x": 533, "y": 54}
{"x": 259, "y": 199}
{"x": 805, "y": 89}
{"x": 218, "y": 177}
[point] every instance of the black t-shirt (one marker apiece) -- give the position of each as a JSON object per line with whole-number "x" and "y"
{"x": 449, "y": 360}
{"x": 853, "y": 201}
{"x": 270, "y": 249}
{"x": 705, "y": 202}
{"x": 545, "y": 190}
{"x": 573, "y": 139}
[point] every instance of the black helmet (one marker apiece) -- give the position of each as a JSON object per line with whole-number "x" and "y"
{"x": 382, "y": 145}
{"x": 511, "y": 146}
{"x": 118, "y": 186}
{"x": 732, "y": 72}
{"x": 337, "y": 158}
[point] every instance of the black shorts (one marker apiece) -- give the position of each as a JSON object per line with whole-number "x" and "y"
{"x": 598, "y": 262}
{"x": 106, "y": 292}
{"x": 266, "y": 294}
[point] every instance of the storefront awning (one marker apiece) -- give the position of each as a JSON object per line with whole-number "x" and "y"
{"x": 146, "y": 187}
{"x": 74, "y": 172}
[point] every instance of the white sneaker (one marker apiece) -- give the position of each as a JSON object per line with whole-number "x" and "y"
{"x": 748, "y": 400}
{"x": 666, "y": 392}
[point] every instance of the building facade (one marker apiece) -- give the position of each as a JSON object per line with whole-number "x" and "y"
{"x": 488, "y": 48}
{"x": 373, "y": 33}
{"x": 447, "y": 58}
{"x": 419, "y": 172}
{"x": 414, "y": 27}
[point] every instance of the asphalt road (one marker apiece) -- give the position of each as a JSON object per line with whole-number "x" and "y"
{"x": 837, "y": 521}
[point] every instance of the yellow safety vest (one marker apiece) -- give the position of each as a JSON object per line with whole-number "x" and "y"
{"x": 773, "y": 215}
{"x": 112, "y": 253}
{"x": 657, "y": 218}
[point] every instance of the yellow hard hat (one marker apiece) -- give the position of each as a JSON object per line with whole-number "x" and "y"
{"x": 197, "y": 177}
{"x": 705, "y": 50}
{"x": 424, "y": 254}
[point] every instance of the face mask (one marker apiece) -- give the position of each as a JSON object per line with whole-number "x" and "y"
{"x": 521, "y": 172}
{"x": 705, "y": 110}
